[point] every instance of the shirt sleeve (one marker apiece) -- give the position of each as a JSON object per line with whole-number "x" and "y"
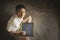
{"x": 14, "y": 24}
{"x": 10, "y": 25}
{"x": 11, "y": 28}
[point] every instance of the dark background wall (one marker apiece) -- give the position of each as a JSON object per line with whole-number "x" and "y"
{"x": 45, "y": 14}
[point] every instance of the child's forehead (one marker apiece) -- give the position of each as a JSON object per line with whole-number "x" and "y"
{"x": 22, "y": 9}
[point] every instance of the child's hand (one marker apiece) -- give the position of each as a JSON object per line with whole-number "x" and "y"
{"x": 24, "y": 33}
{"x": 30, "y": 19}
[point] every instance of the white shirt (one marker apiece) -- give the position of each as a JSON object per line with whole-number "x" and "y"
{"x": 13, "y": 23}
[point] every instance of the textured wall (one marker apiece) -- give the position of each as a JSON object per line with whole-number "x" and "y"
{"x": 44, "y": 17}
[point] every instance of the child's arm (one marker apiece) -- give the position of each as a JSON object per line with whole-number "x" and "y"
{"x": 27, "y": 19}
{"x": 20, "y": 33}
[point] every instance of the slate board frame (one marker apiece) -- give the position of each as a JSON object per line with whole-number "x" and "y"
{"x": 32, "y": 29}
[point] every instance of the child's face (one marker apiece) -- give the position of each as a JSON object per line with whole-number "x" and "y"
{"x": 22, "y": 12}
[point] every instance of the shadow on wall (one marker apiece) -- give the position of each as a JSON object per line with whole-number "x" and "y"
{"x": 3, "y": 22}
